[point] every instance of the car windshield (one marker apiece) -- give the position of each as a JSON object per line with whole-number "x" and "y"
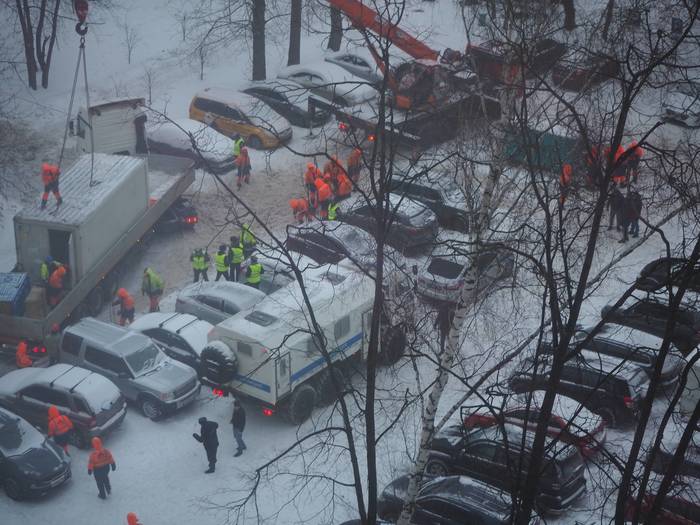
{"x": 357, "y": 243}
{"x": 17, "y": 436}
{"x": 144, "y": 359}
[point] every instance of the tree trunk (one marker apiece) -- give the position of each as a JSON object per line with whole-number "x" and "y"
{"x": 608, "y": 18}
{"x": 258, "y": 40}
{"x": 569, "y": 14}
{"x": 336, "y": 30}
{"x": 25, "y": 21}
{"x": 294, "y": 56}
{"x": 46, "y": 54}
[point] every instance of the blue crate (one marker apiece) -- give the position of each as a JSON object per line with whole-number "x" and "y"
{"x": 14, "y": 288}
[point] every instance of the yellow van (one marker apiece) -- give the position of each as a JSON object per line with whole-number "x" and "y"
{"x": 233, "y": 113}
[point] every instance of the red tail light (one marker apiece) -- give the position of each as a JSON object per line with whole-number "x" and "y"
{"x": 218, "y": 392}
{"x": 478, "y": 420}
{"x": 191, "y": 219}
{"x": 342, "y": 126}
{"x": 39, "y": 350}
{"x": 371, "y": 137}
{"x": 629, "y": 402}
{"x": 268, "y": 412}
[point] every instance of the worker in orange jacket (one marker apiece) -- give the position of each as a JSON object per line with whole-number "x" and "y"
{"x": 132, "y": 519}
{"x": 300, "y": 209}
{"x": 100, "y": 461}
{"x": 49, "y": 177}
{"x": 56, "y": 285}
{"x": 243, "y": 164}
{"x": 310, "y": 176}
{"x": 344, "y": 186}
{"x": 618, "y": 175}
{"x": 60, "y": 428}
{"x": 126, "y": 306}
{"x": 565, "y": 180}
{"x": 325, "y": 195}
{"x": 633, "y": 160}
{"x": 21, "y": 357}
{"x": 354, "y": 164}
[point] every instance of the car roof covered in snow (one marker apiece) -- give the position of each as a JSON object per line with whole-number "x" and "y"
{"x": 239, "y": 293}
{"x": 346, "y": 84}
{"x": 80, "y": 198}
{"x": 190, "y": 328}
{"x": 626, "y": 335}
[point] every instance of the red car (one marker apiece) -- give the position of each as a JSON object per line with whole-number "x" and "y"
{"x": 674, "y": 510}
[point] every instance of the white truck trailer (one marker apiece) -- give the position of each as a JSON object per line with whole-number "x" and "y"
{"x": 92, "y": 231}
{"x": 268, "y": 354}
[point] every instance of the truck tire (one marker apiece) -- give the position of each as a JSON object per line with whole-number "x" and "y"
{"x": 95, "y": 300}
{"x": 300, "y": 404}
{"x": 325, "y": 391}
{"x": 393, "y": 346}
{"x": 218, "y": 363}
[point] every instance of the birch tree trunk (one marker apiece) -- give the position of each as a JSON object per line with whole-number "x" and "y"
{"x": 258, "y": 26}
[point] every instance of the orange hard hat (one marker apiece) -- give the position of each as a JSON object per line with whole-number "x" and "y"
{"x": 310, "y": 165}
{"x": 122, "y": 292}
{"x": 53, "y": 412}
{"x": 293, "y": 203}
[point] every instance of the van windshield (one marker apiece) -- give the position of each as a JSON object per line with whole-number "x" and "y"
{"x": 144, "y": 359}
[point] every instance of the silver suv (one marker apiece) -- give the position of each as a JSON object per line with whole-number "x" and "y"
{"x": 145, "y": 375}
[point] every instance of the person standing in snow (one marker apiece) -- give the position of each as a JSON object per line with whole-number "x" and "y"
{"x": 60, "y": 428}
{"x": 207, "y": 437}
{"x": 152, "y": 285}
{"x": 21, "y": 358}
{"x": 615, "y": 206}
{"x": 126, "y": 306}
{"x": 49, "y": 176}
{"x": 635, "y": 212}
{"x": 243, "y": 164}
{"x": 238, "y": 422}
{"x": 100, "y": 461}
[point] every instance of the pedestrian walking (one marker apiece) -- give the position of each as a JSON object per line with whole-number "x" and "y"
{"x": 207, "y": 437}
{"x": 238, "y": 423}
{"x": 625, "y": 217}
{"x": 60, "y": 428}
{"x": 443, "y": 322}
{"x": 615, "y": 208}
{"x": 253, "y": 274}
{"x": 634, "y": 211}
{"x": 243, "y": 164}
{"x": 126, "y": 306}
{"x": 49, "y": 176}
{"x": 236, "y": 257}
{"x": 100, "y": 462}
{"x": 132, "y": 519}
{"x": 21, "y": 358}
{"x": 152, "y": 285}
{"x": 221, "y": 263}
{"x": 200, "y": 264}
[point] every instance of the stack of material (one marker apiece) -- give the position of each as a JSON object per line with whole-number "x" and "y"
{"x": 14, "y": 288}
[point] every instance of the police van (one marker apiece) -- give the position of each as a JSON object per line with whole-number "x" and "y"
{"x": 270, "y": 354}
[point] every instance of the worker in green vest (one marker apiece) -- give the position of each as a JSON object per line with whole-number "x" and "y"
{"x": 152, "y": 286}
{"x": 236, "y": 258}
{"x": 221, "y": 262}
{"x": 47, "y": 267}
{"x": 237, "y": 145}
{"x": 333, "y": 210}
{"x": 248, "y": 240}
{"x": 200, "y": 264}
{"x": 253, "y": 274}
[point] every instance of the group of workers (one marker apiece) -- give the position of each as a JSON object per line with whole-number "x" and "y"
{"x": 228, "y": 260}
{"x": 326, "y": 188}
{"x": 53, "y": 275}
{"x": 152, "y": 285}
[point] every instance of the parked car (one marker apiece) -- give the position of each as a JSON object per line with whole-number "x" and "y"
{"x": 499, "y": 455}
{"x": 633, "y": 346}
{"x": 444, "y": 273}
{"x": 180, "y": 336}
{"x": 361, "y": 66}
{"x": 661, "y": 461}
{"x": 651, "y": 314}
{"x": 668, "y": 271}
{"x": 569, "y": 422}
{"x": 450, "y": 500}
{"x": 238, "y": 114}
{"x": 92, "y": 402}
{"x": 30, "y": 464}
{"x": 175, "y": 138}
{"x": 182, "y": 215}
{"x": 438, "y": 192}
{"x": 603, "y": 385}
{"x": 582, "y": 71}
{"x": 414, "y": 226}
{"x": 680, "y": 507}
{"x": 330, "y": 82}
{"x": 289, "y": 99}
{"x": 216, "y": 301}
{"x": 681, "y": 105}
{"x": 146, "y": 376}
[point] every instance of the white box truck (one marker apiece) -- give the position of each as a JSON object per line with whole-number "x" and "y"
{"x": 118, "y": 127}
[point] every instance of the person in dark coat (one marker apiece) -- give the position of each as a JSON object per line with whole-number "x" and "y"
{"x": 207, "y": 437}
{"x": 443, "y": 322}
{"x": 634, "y": 212}
{"x": 238, "y": 422}
{"x": 615, "y": 207}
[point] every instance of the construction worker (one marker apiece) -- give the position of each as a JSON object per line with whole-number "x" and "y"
{"x": 310, "y": 176}
{"x": 300, "y": 209}
{"x": 49, "y": 177}
{"x": 100, "y": 461}
{"x": 47, "y": 267}
{"x": 248, "y": 240}
{"x": 253, "y": 274}
{"x": 126, "y": 306}
{"x": 633, "y": 160}
{"x": 344, "y": 187}
{"x": 354, "y": 164}
{"x": 324, "y": 198}
{"x": 333, "y": 209}
{"x": 132, "y": 519}
{"x": 221, "y": 263}
{"x": 152, "y": 285}
{"x": 21, "y": 357}
{"x": 200, "y": 264}
{"x": 243, "y": 164}
{"x": 619, "y": 176}
{"x": 60, "y": 428}
{"x": 237, "y": 145}
{"x": 565, "y": 180}
{"x": 56, "y": 284}
{"x": 236, "y": 258}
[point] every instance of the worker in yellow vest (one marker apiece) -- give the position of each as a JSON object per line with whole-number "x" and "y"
{"x": 253, "y": 274}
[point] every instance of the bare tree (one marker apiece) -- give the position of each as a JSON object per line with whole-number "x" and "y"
{"x": 336, "y": 34}
{"x": 130, "y": 38}
{"x": 258, "y": 29}
{"x": 40, "y": 25}
{"x": 294, "y": 56}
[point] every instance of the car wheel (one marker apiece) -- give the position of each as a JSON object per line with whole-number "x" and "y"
{"x": 254, "y": 142}
{"x": 393, "y": 346}
{"x": 13, "y": 488}
{"x": 326, "y": 392}
{"x": 79, "y": 440}
{"x": 301, "y": 404}
{"x": 151, "y": 408}
{"x": 95, "y": 300}
{"x": 437, "y": 468}
{"x": 608, "y": 414}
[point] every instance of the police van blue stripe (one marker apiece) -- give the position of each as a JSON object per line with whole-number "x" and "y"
{"x": 322, "y": 360}
{"x": 252, "y": 382}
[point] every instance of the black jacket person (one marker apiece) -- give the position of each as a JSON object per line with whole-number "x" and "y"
{"x": 207, "y": 437}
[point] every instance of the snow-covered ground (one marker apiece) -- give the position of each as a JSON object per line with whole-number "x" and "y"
{"x": 160, "y": 466}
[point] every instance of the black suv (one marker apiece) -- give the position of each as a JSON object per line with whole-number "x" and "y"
{"x": 607, "y": 386}
{"x": 499, "y": 455}
{"x": 668, "y": 271}
{"x": 651, "y": 314}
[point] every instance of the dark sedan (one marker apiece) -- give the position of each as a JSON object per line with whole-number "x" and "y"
{"x": 182, "y": 215}
{"x": 668, "y": 271}
{"x": 413, "y": 226}
{"x": 30, "y": 464}
{"x": 288, "y": 99}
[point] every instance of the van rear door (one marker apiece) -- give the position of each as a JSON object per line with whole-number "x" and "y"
{"x": 282, "y": 376}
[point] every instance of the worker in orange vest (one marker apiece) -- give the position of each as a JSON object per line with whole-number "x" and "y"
{"x": 633, "y": 159}
{"x": 300, "y": 209}
{"x": 126, "y": 306}
{"x": 310, "y": 176}
{"x": 344, "y": 186}
{"x": 325, "y": 194}
{"x": 132, "y": 519}
{"x": 49, "y": 177}
{"x": 565, "y": 180}
{"x": 618, "y": 175}
{"x": 56, "y": 285}
{"x": 60, "y": 428}
{"x": 21, "y": 357}
{"x": 354, "y": 164}
{"x": 243, "y": 164}
{"x": 100, "y": 461}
